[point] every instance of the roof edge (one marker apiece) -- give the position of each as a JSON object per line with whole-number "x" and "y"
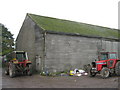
{"x": 73, "y": 21}
{"x": 28, "y": 14}
{"x": 77, "y": 34}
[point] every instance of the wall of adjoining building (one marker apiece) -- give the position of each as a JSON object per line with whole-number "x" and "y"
{"x": 31, "y": 40}
{"x": 39, "y": 48}
{"x": 64, "y": 52}
{"x": 118, "y": 49}
{"x": 110, "y": 46}
{"x": 26, "y": 39}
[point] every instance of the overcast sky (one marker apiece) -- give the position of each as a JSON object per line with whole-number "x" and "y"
{"x": 96, "y": 12}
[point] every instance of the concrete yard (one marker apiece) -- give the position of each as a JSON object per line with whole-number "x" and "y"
{"x": 37, "y": 81}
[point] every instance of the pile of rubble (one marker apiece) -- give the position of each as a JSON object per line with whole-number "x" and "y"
{"x": 77, "y": 72}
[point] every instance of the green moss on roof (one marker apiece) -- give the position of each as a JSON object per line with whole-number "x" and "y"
{"x": 59, "y": 25}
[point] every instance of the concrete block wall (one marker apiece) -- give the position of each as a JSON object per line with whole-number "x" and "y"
{"x": 69, "y": 52}
{"x": 119, "y": 49}
{"x": 110, "y": 46}
{"x": 39, "y": 48}
{"x": 65, "y": 52}
{"x": 26, "y": 39}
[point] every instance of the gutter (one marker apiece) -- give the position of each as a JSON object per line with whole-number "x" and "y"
{"x": 80, "y": 35}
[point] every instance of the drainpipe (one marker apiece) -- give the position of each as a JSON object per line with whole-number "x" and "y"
{"x": 44, "y": 52}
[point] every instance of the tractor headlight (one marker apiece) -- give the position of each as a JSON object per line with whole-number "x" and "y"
{"x": 15, "y": 62}
{"x": 28, "y": 61}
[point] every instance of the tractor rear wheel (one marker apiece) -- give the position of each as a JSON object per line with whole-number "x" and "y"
{"x": 105, "y": 72}
{"x": 12, "y": 70}
{"x": 29, "y": 71}
{"x": 90, "y": 73}
{"x": 117, "y": 68}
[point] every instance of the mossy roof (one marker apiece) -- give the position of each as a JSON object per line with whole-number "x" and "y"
{"x": 60, "y": 25}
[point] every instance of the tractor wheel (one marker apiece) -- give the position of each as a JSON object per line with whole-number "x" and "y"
{"x": 117, "y": 68}
{"x": 91, "y": 74}
{"x": 12, "y": 70}
{"x": 29, "y": 71}
{"x": 105, "y": 72}
{"x": 6, "y": 71}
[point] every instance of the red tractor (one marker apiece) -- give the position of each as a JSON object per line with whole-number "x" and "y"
{"x": 17, "y": 62}
{"x": 106, "y": 65}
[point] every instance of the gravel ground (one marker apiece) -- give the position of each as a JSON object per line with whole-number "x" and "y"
{"x": 37, "y": 81}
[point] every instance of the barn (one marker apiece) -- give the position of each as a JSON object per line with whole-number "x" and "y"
{"x": 57, "y": 45}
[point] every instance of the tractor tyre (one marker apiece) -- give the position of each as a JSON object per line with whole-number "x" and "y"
{"x": 105, "y": 72}
{"x": 91, "y": 74}
{"x": 117, "y": 68}
{"x": 6, "y": 71}
{"x": 12, "y": 70}
{"x": 29, "y": 71}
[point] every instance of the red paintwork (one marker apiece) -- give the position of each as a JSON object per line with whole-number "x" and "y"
{"x": 114, "y": 62}
{"x": 106, "y": 62}
{"x": 99, "y": 64}
{"x": 24, "y": 62}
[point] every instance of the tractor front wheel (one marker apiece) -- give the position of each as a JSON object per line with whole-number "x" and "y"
{"x": 105, "y": 72}
{"x": 90, "y": 73}
{"x": 12, "y": 70}
{"x": 29, "y": 71}
{"x": 117, "y": 68}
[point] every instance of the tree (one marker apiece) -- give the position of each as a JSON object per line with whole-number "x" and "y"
{"x": 7, "y": 40}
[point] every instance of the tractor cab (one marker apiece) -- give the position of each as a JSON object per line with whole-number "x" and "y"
{"x": 106, "y": 59}
{"x": 19, "y": 55}
{"x": 107, "y": 55}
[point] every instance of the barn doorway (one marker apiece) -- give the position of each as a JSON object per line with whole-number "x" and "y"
{"x": 38, "y": 63}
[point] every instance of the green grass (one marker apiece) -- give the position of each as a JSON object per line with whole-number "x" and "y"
{"x": 59, "y": 25}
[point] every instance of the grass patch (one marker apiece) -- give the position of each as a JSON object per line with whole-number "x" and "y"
{"x": 62, "y": 73}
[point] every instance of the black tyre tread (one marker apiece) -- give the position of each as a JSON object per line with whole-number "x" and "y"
{"x": 102, "y": 72}
{"x": 6, "y": 71}
{"x": 12, "y": 67}
{"x": 30, "y": 70}
{"x": 90, "y": 74}
{"x": 117, "y": 68}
